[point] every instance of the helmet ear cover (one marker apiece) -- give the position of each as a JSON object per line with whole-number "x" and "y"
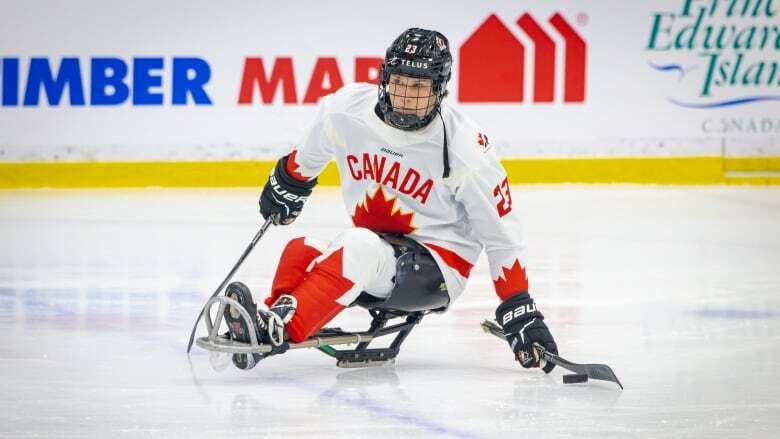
{"x": 416, "y": 53}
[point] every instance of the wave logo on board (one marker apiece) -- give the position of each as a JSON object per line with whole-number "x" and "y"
{"x": 717, "y": 54}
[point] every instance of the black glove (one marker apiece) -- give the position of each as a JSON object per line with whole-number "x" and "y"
{"x": 524, "y": 326}
{"x": 283, "y": 196}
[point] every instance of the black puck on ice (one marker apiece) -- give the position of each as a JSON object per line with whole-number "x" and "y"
{"x": 575, "y": 378}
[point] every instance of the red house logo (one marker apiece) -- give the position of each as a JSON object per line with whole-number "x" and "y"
{"x": 492, "y": 62}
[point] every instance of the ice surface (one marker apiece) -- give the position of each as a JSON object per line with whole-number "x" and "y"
{"x": 678, "y": 289}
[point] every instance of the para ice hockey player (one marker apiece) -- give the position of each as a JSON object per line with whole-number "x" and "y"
{"x": 416, "y": 177}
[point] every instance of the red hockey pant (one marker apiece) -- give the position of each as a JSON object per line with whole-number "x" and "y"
{"x": 326, "y": 277}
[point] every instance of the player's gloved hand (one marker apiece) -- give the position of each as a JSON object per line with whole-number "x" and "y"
{"x": 524, "y": 326}
{"x": 283, "y": 195}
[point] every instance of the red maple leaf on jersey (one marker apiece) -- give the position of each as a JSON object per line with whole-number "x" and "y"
{"x": 513, "y": 281}
{"x": 379, "y": 214}
{"x": 292, "y": 167}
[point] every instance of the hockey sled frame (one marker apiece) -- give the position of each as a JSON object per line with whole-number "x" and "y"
{"x": 324, "y": 340}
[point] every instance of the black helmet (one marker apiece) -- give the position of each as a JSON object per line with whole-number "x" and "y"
{"x": 418, "y": 53}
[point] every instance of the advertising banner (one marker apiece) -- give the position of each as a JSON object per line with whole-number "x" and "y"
{"x": 200, "y": 80}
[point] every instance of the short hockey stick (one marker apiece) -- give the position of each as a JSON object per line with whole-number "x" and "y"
{"x": 248, "y": 250}
{"x": 593, "y": 371}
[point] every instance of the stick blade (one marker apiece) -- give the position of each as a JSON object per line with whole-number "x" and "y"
{"x": 595, "y": 372}
{"x": 603, "y": 372}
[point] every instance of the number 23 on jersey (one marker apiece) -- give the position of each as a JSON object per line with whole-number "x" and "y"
{"x": 504, "y": 198}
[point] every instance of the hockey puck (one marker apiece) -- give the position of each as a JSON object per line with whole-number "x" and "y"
{"x": 575, "y": 378}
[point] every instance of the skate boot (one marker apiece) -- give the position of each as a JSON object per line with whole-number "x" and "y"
{"x": 238, "y": 327}
{"x": 272, "y": 323}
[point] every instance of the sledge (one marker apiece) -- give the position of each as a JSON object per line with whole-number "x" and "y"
{"x": 405, "y": 307}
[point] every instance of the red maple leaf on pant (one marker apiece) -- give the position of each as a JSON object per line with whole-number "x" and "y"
{"x": 318, "y": 297}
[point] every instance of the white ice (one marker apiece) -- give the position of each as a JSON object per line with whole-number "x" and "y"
{"x": 676, "y": 288}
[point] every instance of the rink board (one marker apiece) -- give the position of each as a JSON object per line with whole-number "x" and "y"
{"x": 542, "y": 79}
{"x": 647, "y": 170}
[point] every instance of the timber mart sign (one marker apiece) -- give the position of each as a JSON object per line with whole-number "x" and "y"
{"x": 138, "y": 81}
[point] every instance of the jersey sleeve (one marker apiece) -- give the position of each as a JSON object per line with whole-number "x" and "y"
{"x": 309, "y": 157}
{"x": 485, "y": 195}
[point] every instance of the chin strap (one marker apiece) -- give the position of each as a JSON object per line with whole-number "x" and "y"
{"x": 445, "y": 150}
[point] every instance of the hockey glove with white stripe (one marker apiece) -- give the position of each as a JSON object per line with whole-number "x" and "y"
{"x": 283, "y": 196}
{"x": 524, "y": 325}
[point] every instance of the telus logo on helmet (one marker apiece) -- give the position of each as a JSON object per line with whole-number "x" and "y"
{"x": 415, "y": 64}
{"x": 504, "y": 81}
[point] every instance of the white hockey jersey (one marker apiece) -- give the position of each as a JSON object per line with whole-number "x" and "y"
{"x": 391, "y": 181}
